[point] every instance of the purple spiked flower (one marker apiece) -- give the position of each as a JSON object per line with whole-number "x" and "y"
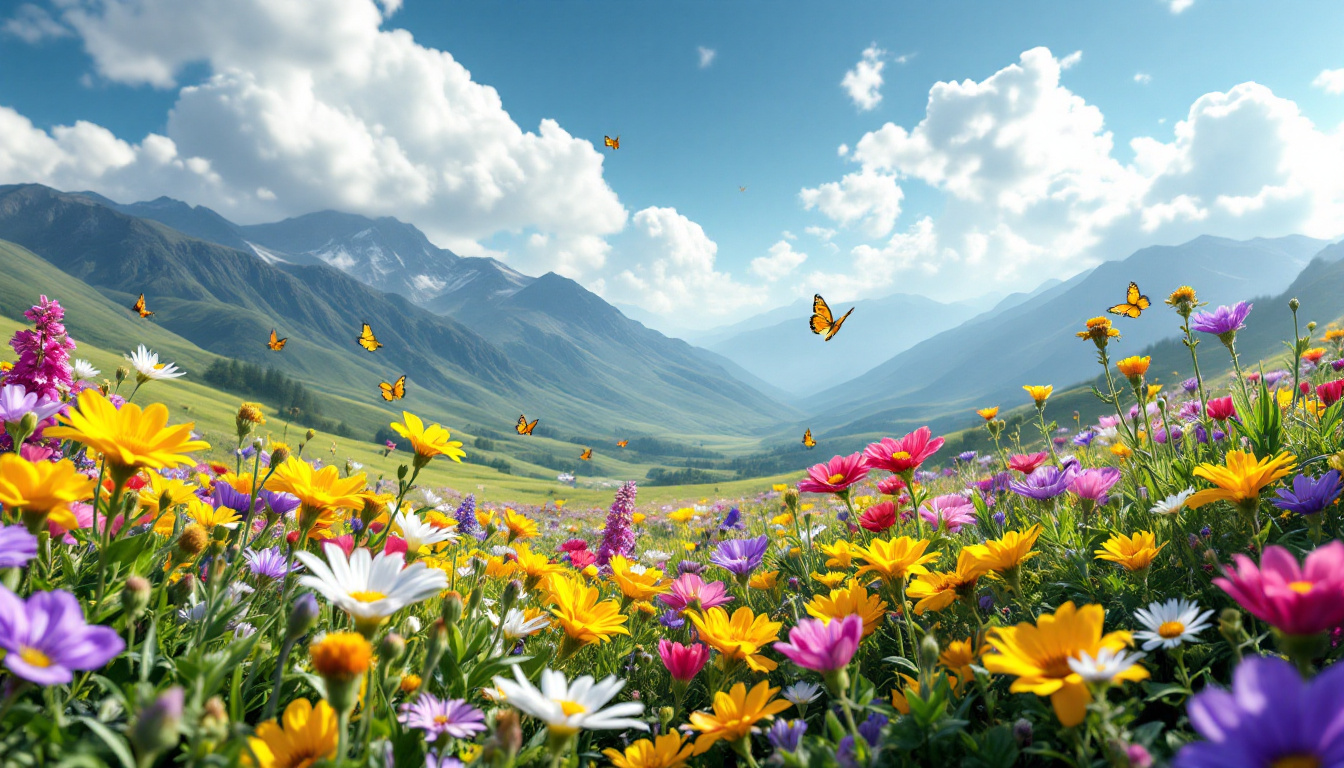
{"x": 466, "y": 516}
{"x": 821, "y": 646}
{"x": 619, "y": 538}
{"x": 439, "y": 717}
{"x": 17, "y": 546}
{"x": 740, "y": 556}
{"x": 46, "y": 638}
{"x": 43, "y": 367}
{"x": 1223, "y": 322}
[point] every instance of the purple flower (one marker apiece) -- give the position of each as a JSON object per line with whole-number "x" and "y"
{"x": 950, "y": 510}
{"x": 732, "y": 521}
{"x": 965, "y": 457}
{"x": 690, "y": 566}
{"x": 1223, "y": 322}
{"x": 17, "y": 402}
{"x": 268, "y": 563}
{"x": 1273, "y": 378}
{"x": 1045, "y": 482}
{"x": 46, "y": 637}
{"x": 466, "y": 516}
{"x": 43, "y": 367}
{"x": 17, "y": 546}
{"x": 871, "y": 729}
{"x": 278, "y": 502}
{"x": 1270, "y": 717}
{"x": 671, "y": 619}
{"x": 1084, "y": 438}
{"x": 227, "y": 496}
{"x": 784, "y": 735}
{"x": 435, "y": 760}
{"x": 823, "y": 647}
{"x": 740, "y": 556}
{"x": 438, "y": 717}
{"x": 1093, "y": 484}
{"x": 619, "y": 538}
{"x": 1310, "y": 495}
{"x": 1190, "y": 385}
{"x": 845, "y": 754}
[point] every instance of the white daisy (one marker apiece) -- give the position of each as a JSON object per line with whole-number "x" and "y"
{"x": 657, "y": 556}
{"x": 418, "y": 533}
{"x": 567, "y": 708}
{"x": 1172, "y": 504}
{"x": 517, "y": 626}
{"x": 369, "y": 588}
{"x": 801, "y": 693}
{"x": 148, "y": 367}
{"x": 1105, "y": 666}
{"x": 1171, "y": 624}
{"x": 84, "y": 371}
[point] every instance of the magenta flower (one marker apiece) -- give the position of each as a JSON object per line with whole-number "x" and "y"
{"x": 950, "y": 509}
{"x": 46, "y": 638}
{"x": 903, "y": 455}
{"x": 821, "y": 646}
{"x": 1296, "y": 600}
{"x": 684, "y": 662}
{"x": 43, "y": 367}
{"x": 1223, "y": 322}
{"x": 1093, "y": 484}
{"x": 836, "y": 475}
{"x": 618, "y": 538}
{"x": 690, "y": 591}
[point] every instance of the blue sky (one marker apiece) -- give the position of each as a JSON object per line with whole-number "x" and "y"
{"x": 767, "y": 112}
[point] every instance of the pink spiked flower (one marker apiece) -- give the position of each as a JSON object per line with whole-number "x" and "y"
{"x": 690, "y": 591}
{"x": 684, "y": 662}
{"x": 834, "y": 476}
{"x": 821, "y": 646}
{"x": 903, "y": 455}
{"x": 1297, "y": 600}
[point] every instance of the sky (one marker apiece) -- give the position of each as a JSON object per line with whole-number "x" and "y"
{"x": 947, "y": 149}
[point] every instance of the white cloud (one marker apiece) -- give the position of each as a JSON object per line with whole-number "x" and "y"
{"x": 1072, "y": 59}
{"x": 1143, "y": 78}
{"x": 32, "y": 24}
{"x": 1330, "y": 80}
{"x": 781, "y": 262}
{"x": 863, "y": 83}
{"x": 821, "y": 233}
{"x": 869, "y": 196}
{"x": 1178, "y": 6}
{"x": 706, "y": 56}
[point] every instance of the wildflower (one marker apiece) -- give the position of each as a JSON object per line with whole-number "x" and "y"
{"x": 206, "y": 516}
{"x": 830, "y": 579}
{"x": 1121, "y": 450}
{"x": 1093, "y": 484}
{"x": 42, "y": 490}
{"x": 689, "y": 591}
{"x": 1039, "y": 394}
{"x": 535, "y": 566}
{"x": 1241, "y": 481}
{"x": 43, "y": 366}
{"x": 442, "y": 717}
{"x": 957, "y": 657}
{"x": 1028, "y": 462}
{"x": 950, "y": 511}
{"x": 1223, "y": 322}
{"x": 1133, "y": 368}
{"x": 1310, "y": 495}
{"x": 1296, "y": 600}
{"x": 320, "y": 492}
{"x": 740, "y": 638}
{"x": 617, "y": 537}
{"x": 584, "y": 617}
{"x": 801, "y": 694}
{"x": 1038, "y": 655}
{"x": 427, "y": 442}
{"x": 836, "y": 475}
{"x": 878, "y": 517}
{"x": 764, "y": 580}
{"x": 936, "y": 591}
{"x": 341, "y": 658}
{"x": 988, "y": 414}
{"x": 740, "y": 556}
{"x": 1108, "y": 665}
{"x": 785, "y": 735}
{"x": 899, "y": 702}
{"x": 1008, "y": 551}
{"x": 466, "y": 515}
{"x": 683, "y": 662}
{"x": 840, "y": 554}
{"x": 418, "y": 533}
{"x": 1099, "y": 332}
{"x": 148, "y": 368}
{"x": 1133, "y": 552}
{"x": 1046, "y": 482}
{"x": 669, "y": 750}
{"x": 268, "y": 563}
{"x": 129, "y": 438}
{"x": 1330, "y": 392}
{"x": 521, "y": 624}
{"x": 1171, "y": 624}
{"x": 17, "y": 402}
{"x": 45, "y": 638}
{"x": 310, "y": 734}
{"x": 1183, "y": 300}
{"x": 641, "y": 584}
{"x": 519, "y": 526}
{"x": 736, "y": 713}
{"x": 903, "y": 455}
{"x": 567, "y": 708}
{"x": 896, "y": 559}
{"x": 1173, "y": 503}
{"x": 369, "y": 588}
{"x": 852, "y": 600}
{"x": 823, "y": 646}
{"x": 17, "y": 546}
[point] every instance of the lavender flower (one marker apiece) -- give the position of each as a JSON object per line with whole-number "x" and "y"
{"x": 466, "y": 516}
{"x": 17, "y": 546}
{"x": 46, "y": 638}
{"x": 1223, "y": 322}
{"x": 1310, "y": 495}
{"x": 278, "y": 502}
{"x": 226, "y": 495}
{"x": 43, "y": 367}
{"x": 1190, "y": 385}
{"x": 1045, "y": 482}
{"x": 690, "y": 566}
{"x": 17, "y": 402}
{"x": 784, "y": 735}
{"x": 845, "y": 754}
{"x": 619, "y": 538}
{"x": 871, "y": 729}
{"x": 671, "y": 619}
{"x": 732, "y": 521}
{"x": 443, "y": 717}
{"x": 1084, "y": 438}
{"x": 268, "y": 563}
{"x": 965, "y": 457}
{"x": 740, "y": 556}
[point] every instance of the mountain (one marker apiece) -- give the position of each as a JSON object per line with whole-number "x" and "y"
{"x": 987, "y": 359}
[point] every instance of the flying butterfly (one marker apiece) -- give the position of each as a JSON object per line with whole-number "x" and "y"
{"x": 1135, "y": 303}
{"x": 525, "y": 427}
{"x": 392, "y": 392}
{"x": 808, "y": 440}
{"x": 367, "y": 340}
{"x": 587, "y": 454}
{"x": 276, "y": 344}
{"x": 610, "y": 142}
{"x": 139, "y": 306}
{"x": 741, "y": 189}
{"x": 822, "y": 321}
{"x": 622, "y": 443}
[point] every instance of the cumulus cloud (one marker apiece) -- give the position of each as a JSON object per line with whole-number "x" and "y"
{"x": 1177, "y": 6}
{"x": 706, "y": 56}
{"x": 1330, "y": 80}
{"x": 868, "y": 197}
{"x": 781, "y": 262}
{"x": 863, "y": 83}
{"x": 1143, "y": 78}
{"x": 32, "y": 24}
{"x": 1068, "y": 62}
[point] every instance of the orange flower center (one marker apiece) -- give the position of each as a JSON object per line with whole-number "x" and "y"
{"x": 1301, "y": 587}
{"x": 900, "y": 456}
{"x": 833, "y": 479}
{"x": 1296, "y": 761}
{"x": 368, "y": 596}
{"x": 34, "y": 657}
{"x": 1170, "y": 629}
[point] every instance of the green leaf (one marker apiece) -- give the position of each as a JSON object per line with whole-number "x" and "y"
{"x": 126, "y": 550}
{"x": 114, "y": 742}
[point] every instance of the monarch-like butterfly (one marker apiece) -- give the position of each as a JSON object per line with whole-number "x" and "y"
{"x": 367, "y": 340}
{"x": 139, "y": 306}
{"x": 525, "y": 427}
{"x": 622, "y": 443}
{"x": 610, "y": 142}
{"x": 822, "y": 320}
{"x": 587, "y": 454}
{"x": 393, "y": 391}
{"x": 276, "y": 344}
{"x": 808, "y": 440}
{"x": 1134, "y": 305}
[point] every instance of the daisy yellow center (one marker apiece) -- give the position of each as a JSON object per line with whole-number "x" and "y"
{"x": 35, "y": 658}
{"x": 1301, "y": 587}
{"x": 1170, "y": 629}
{"x": 1296, "y": 761}
{"x": 571, "y": 708}
{"x": 368, "y": 596}
{"x": 440, "y": 719}
{"x": 900, "y": 456}
{"x": 833, "y": 479}
{"x": 159, "y": 366}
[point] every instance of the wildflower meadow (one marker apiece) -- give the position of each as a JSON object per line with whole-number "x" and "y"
{"x": 1164, "y": 586}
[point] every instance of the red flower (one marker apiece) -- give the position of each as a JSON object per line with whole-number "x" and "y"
{"x": 1304, "y": 387}
{"x": 835, "y": 475}
{"x": 891, "y": 485}
{"x": 582, "y": 558}
{"x": 1026, "y": 463}
{"x": 1331, "y": 391}
{"x": 879, "y": 517}
{"x": 1220, "y": 409}
{"x": 903, "y": 455}
{"x": 573, "y": 545}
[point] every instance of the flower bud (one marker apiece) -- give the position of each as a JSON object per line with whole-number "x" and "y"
{"x": 508, "y": 737}
{"x": 1311, "y": 326}
{"x": 214, "y": 719}
{"x": 434, "y": 648}
{"x": 411, "y": 626}
{"x": 310, "y": 434}
{"x": 510, "y": 596}
{"x": 192, "y": 542}
{"x": 180, "y": 592}
{"x": 452, "y": 608}
{"x": 156, "y": 726}
{"x": 791, "y": 498}
{"x": 279, "y": 453}
{"x": 1293, "y": 304}
{"x": 135, "y": 596}
{"x": 928, "y": 652}
{"x": 391, "y": 648}
{"x": 122, "y": 373}
{"x": 474, "y": 602}
{"x": 302, "y": 616}
{"x": 1022, "y": 731}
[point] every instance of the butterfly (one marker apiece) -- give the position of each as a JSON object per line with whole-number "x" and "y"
{"x": 587, "y": 454}
{"x": 276, "y": 344}
{"x": 139, "y": 306}
{"x": 822, "y": 320}
{"x": 525, "y": 428}
{"x": 741, "y": 189}
{"x": 367, "y": 340}
{"x": 1135, "y": 303}
{"x": 610, "y": 142}
{"x": 622, "y": 443}
{"x": 393, "y": 391}
{"x": 808, "y": 440}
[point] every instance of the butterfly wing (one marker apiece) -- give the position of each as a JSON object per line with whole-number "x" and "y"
{"x": 808, "y": 439}
{"x": 139, "y": 306}
{"x": 822, "y": 319}
{"x": 1136, "y": 299}
{"x": 385, "y": 390}
{"x": 835, "y": 327}
{"x": 399, "y": 389}
{"x": 622, "y": 443}
{"x": 587, "y": 454}
{"x": 276, "y": 343}
{"x": 367, "y": 340}
{"x": 1128, "y": 310}
{"x": 617, "y": 143}
{"x": 521, "y": 426}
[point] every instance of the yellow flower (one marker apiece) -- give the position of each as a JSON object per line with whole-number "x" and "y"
{"x": 1334, "y": 334}
{"x": 988, "y": 414}
{"x": 736, "y": 713}
{"x": 1038, "y": 656}
{"x": 584, "y": 617}
{"x": 637, "y": 518}
{"x": 689, "y": 546}
{"x": 1007, "y": 552}
{"x": 6, "y": 366}
{"x": 1153, "y": 389}
{"x": 957, "y": 657}
{"x": 1099, "y": 330}
{"x": 853, "y": 599}
{"x": 1039, "y": 393}
{"x": 666, "y": 751}
{"x": 205, "y": 515}
{"x": 830, "y": 578}
{"x": 241, "y": 483}
{"x": 1242, "y": 479}
{"x": 409, "y": 683}
{"x": 936, "y": 591}
{"x": 840, "y": 553}
{"x": 1134, "y": 553}
{"x": 1134, "y": 367}
{"x": 783, "y": 519}
{"x": 130, "y": 439}
{"x": 1122, "y": 450}
{"x": 309, "y": 735}
{"x": 320, "y": 492}
{"x": 682, "y": 515}
{"x": 43, "y": 490}
{"x": 1183, "y": 297}
{"x": 536, "y": 566}
{"x": 428, "y": 442}
{"x": 740, "y": 638}
{"x": 159, "y": 487}
{"x": 779, "y": 487}
{"x": 636, "y": 584}
{"x": 895, "y": 559}
{"x": 898, "y": 700}
{"x": 764, "y": 580}
{"x": 485, "y": 518}
{"x": 519, "y": 526}
{"x": 341, "y": 655}
{"x": 249, "y": 416}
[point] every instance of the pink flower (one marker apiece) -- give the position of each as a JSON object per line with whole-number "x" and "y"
{"x": 347, "y": 544}
{"x": 835, "y": 475}
{"x": 83, "y": 516}
{"x": 879, "y": 517}
{"x": 891, "y": 485}
{"x": 35, "y": 453}
{"x": 684, "y": 662}
{"x": 824, "y": 647}
{"x": 1296, "y": 600}
{"x": 582, "y": 558}
{"x": 1220, "y": 409}
{"x": 573, "y": 545}
{"x": 393, "y": 545}
{"x": 903, "y": 455}
{"x": 1093, "y": 484}
{"x": 1026, "y": 463}
{"x": 690, "y": 591}
{"x": 950, "y": 509}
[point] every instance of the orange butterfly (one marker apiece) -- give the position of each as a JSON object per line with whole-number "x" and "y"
{"x": 822, "y": 320}
{"x": 622, "y": 443}
{"x": 587, "y": 454}
{"x": 610, "y": 142}
{"x": 525, "y": 428}
{"x": 367, "y": 340}
{"x": 1134, "y": 305}
{"x": 392, "y": 392}
{"x": 276, "y": 344}
{"x": 139, "y": 306}
{"x": 808, "y": 439}
{"x": 741, "y": 189}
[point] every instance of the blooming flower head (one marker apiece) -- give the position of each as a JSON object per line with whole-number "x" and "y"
{"x": 584, "y": 616}
{"x": 17, "y": 546}
{"x": 43, "y": 489}
{"x": 618, "y": 537}
{"x": 878, "y": 517}
{"x": 851, "y": 600}
{"x": 937, "y": 590}
{"x": 949, "y": 510}
{"x": 148, "y": 368}
{"x": 1133, "y": 368}
{"x": 567, "y": 708}
{"x": 419, "y": 533}
{"x": 1046, "y": 482}
{"x": 1310, "y": 495}
{"x": 1297, "y": 600}
{"x": 785, "y": 734}
{"x": 1039, "y": 393}
{"x": 129, "y": 438}
{"x": 1173, "y": 503}
{"x": 427, "y": 441}
{"x": 370, "y": 588}
{"x": 268, "y": 563}
{"x": 1099, "y": 331}
{"x": 519, "y": 624}
{"x": 823, "y": 646}
{"x": 1242, "y": 479}
{"x": 836, "y": 475}
{"x": 43, "y": 367}
{"x": 1108, "y": 664}
{"x": 736, "y": 713}
{"x": 1038, "y": 656}
{"x": 1223, "y": 322}
{"x": 669, "y": 750}
{"x": 896, "y": 559}
{"x": 740, "y": 556}
{"x": 1220, "y": 408}
{"x": 45, "y": 638}
{"x": 1026, "y": 463}
{"x": 741, "y": 637}
{"x": 320, "y": 492}
{"x": 442, "y": 717}
{"x": 635, "y": 581}
{"x": 689, "y": 591}
{"x": 1171, "y": 624}
{"x": 988, "y": 414}
{"x": 17, "y": 402}
{"x": 1093, "y": 484}
{"x": 683, "y": 662}
{"x": 903, "y": 455}
{"x": 309, "y": 734}
{"x": 1007, "y": 552}
{"x": 802, "y": 693}
{"x": 1133, "y": 552}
